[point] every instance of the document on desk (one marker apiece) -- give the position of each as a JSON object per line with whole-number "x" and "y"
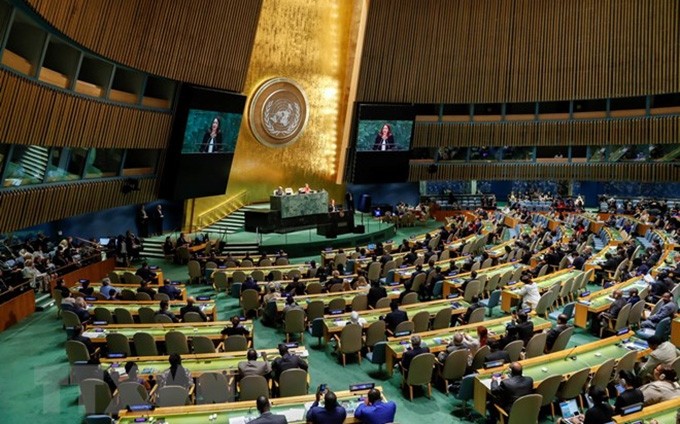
{"x": 294, "y": 414}
{"x": 242, "y": 420}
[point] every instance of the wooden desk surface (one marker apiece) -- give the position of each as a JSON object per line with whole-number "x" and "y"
{"x": 212, "y": 330}
{"x": 133, "y": 306}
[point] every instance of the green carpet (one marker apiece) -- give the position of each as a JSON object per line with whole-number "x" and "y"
{"x": 36, "y": 367}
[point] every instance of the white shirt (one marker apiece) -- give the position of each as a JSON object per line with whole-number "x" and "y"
{"x": 530, "y": 295}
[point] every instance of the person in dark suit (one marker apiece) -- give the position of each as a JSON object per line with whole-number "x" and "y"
{"x": 525, "y": 328}
{"x": 375, "y": 293}
{"x": 254, "y": 367}
{"x": 266, "y": 417}
{"x": 668, "y": 309}
{"x": 86, "y": 289}
{"x": 631, "y": 393}
{"x": 287, "y": 361}
{"x": 250, "y": 284}
{"x": 349, "y": 201}
{"x": 384, "y": 140}
{"x": 212, "y": 138}
{"x": 395, "y": 316}
{"x": 468, "y": 313}
{"x": 555, "y": 332}
{"x": 507, "y": 390}
{"x": 578, "y": 261}
{"x": 158, "y": 220}
{"x": 192, "y": 308}
{"x": 78, "y": 336}
{"x": 144, "y": 288}
{"x": 145, "y": 272}
{"x": 142, "y": 222}
{"x": 329, "y": 413}
{"x": 415, "y": 350}
{"x": 165, "y": 310}
{"x": 170, "y": 290}
{"x": 613, "y": 311}
{"x": 235, "y": 329}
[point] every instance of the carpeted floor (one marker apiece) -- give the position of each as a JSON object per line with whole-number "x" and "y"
{"x": 35, "y": 368}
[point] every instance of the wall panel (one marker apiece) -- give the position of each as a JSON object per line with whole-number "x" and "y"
{"x": 547, "y": 171}
{"x": 34, "y": 113}
{"x": 478, "y": 51}
{"x": 205, "y": 42}
{"x": 655, "y": 130}
{"x": 22, "y": 208}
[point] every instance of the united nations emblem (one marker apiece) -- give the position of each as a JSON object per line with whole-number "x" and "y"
{"x": 278, "y": 112}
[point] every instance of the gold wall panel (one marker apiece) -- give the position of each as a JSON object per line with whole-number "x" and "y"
{"x": 308, "y": 42}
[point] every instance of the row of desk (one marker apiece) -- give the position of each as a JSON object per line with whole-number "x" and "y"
{"x": 294, "y": 408}
{"x": 437, "y": 340}
{"x": 212, "y": 330}
{"x": 208, "y": 307}
{"x": 565, "y": 363}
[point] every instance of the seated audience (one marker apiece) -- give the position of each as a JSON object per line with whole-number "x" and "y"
{"x": 374, "y": 410}
{"x": 165, "y": 310}
{"x": 169, "y": 289}
{"x": 556, "y": 331}
{"x": 330, "y": 413}
{"x": 252, "y": 366}
{"x": 286, "y": 361}
{"x": 414, "y": 350}
{"x": 668, "y": 309}
{"x": 266, "y": 416}
{"x": 176, "y": 375}
{"x": 191, "y": 307}
{"x": 236, "y": 328}
{"x": 663, "y": 387}
{"x": 631, "y": 393}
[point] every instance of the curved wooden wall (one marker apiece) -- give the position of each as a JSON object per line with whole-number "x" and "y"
{"x": 547, "y": 171}
{"x": 34, "y": 113}
{"x": 493, "y": 51}
{"x": 206, "y": 42}
{"x": 25, "y": 207}
{"x": 654, "y": 130}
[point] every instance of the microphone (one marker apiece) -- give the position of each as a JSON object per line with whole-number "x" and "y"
{"x": 570, "y": 352}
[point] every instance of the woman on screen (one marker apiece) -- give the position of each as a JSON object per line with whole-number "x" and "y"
{"x": 384, "y": 140}
{"x": 212, "y": 139}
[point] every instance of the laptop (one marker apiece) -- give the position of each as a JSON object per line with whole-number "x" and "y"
{"x": 631, "y": 409}
{"x": 569, "y": 410}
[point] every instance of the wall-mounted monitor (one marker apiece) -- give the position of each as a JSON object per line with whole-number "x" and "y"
{"x": 204, "y": 134}
{"x": 382, "y": 127}
{"x": 382, "y": 143}
{"x": 211, "y": 131}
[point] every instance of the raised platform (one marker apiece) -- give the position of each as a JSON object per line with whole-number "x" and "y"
{"x": 307, "y": 242}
